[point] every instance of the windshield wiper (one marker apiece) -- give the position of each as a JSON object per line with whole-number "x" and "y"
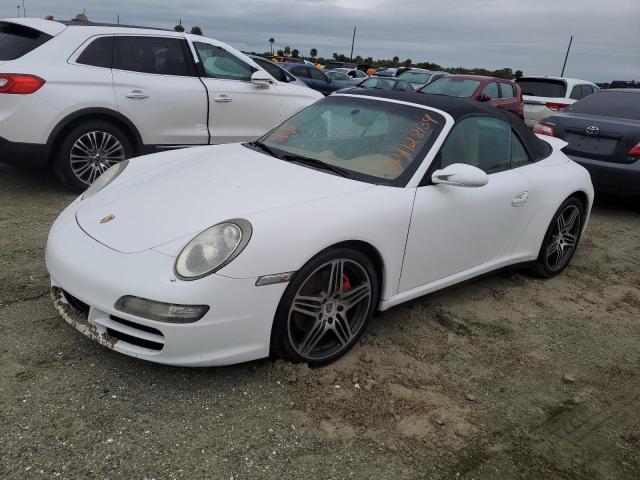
{"x": 264, "y": 148}
{"x": 312, "y": 162}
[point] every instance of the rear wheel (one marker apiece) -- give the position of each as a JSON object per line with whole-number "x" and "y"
{"x": 325, "y": 308}
{"x": 561, "y": 240}
{"x": 89, "y": 150}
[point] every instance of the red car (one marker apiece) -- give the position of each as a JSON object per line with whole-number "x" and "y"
{"x": 498, "y": 92}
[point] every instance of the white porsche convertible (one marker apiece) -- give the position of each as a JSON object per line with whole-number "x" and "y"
{"x": 223, "y": 254}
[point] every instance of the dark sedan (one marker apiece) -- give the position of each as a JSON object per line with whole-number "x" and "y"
{"x": 380, "y": 83}
{"x": 314, "y": 78}
{"x": 603, "y": 135}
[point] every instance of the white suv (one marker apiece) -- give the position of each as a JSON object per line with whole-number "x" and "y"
{"x": 543, "y": 96}
{"x": 84, "y": 96}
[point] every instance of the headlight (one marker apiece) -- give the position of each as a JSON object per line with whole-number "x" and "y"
{"x": 212, "y": 249}
{"x": 105, "y": 179}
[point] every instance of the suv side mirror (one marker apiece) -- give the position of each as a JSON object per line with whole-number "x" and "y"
{"x": 484, "y": 98}
{"x": 261, "y": 79}
{"x": 460, "y": 175}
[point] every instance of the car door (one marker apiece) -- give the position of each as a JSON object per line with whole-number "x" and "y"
{"x": 454, "y": 229}
{"x": 321, "y": 81}
{"x": 239, "y": 110}
{"x": 508, "y": 98}
{"x": 156, "y": 87}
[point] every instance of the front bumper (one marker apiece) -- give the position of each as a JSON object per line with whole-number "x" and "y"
{"x": 619, "y": 178}
{"x": 237, "y": 327}
{"x": 30, "y": 155}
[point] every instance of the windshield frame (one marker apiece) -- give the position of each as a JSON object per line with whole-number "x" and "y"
{"x": 415, "y": 169}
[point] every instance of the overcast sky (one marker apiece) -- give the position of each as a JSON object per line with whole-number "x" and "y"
{"x": 528, "y": 35}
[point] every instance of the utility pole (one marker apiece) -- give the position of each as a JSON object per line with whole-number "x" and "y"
{"x": 566, "y": 56}
{"x": 24, "y": 10}
{"x": 18, "y": 10}
{"x": 118, "y": 15}
{"x": 353, "y": 40}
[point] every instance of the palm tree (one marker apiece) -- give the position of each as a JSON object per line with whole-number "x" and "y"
{"x": 272, "y": 41}
{"x": 313, "y": 52}
{"x": 287, "y": 50}
{"x": 196, "y": 30}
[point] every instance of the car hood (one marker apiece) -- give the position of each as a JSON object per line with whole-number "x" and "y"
{"x": 160, "y": 198}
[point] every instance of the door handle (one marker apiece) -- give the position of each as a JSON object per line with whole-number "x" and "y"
{"x": 520, "y": 199}
{"x": 137, "y": 94}
{"x": 222, "y": 99}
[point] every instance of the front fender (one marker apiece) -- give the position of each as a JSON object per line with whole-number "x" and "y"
{"x": 284, "y": 239}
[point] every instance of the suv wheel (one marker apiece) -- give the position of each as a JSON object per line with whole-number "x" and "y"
{"x": 89, "y": 150}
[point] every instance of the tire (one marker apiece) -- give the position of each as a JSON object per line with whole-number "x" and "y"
{"x": 557, "y": 251}
{"x": 319, "y": 319}
{"x": 101, "y": 143}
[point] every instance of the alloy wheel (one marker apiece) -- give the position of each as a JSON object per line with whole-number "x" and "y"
{"x": 329, "y": 310}
{"x": 564, "y": 238}
{"x": 93, "y": 153}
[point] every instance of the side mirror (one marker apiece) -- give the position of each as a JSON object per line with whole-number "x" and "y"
{"x": 460, "y": 175}
{"x": 484, "y": 98}
{"x": 261, "y": 79}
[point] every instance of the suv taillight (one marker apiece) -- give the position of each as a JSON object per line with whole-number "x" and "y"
{"x": 544, "y": 129}
{"x": 19, "y": 84}
{"x": 555, "y": 106}
{"x": 635, "y": 151}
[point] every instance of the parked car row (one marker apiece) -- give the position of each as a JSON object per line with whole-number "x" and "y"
{"x": 94, "y": 95}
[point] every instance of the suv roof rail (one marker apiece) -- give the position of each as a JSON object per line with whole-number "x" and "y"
{"x": 72, "y": 23}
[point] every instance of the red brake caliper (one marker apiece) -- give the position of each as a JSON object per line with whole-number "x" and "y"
{"x": 346, "y": 284}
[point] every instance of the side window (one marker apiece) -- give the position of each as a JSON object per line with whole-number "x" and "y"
{"x": 507, "y": 90}
{"x": 99, "y": 53}
{"x": 519, "y": 156}
{"x": 316, "y": 75}
{"x": 360, "y": 74}
{"x": 300, "y": 72}
{"x": 576, "y": 92}
{"x": 586, "y": 90}
{"x": 218, "y": 63}
{"x": 482, "y": 142}
{"x": 272, "y": 69}
{"x": 491, "y": 90}
{"x": 158, "y": 55}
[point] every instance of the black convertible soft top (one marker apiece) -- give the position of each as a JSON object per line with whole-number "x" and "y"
{"x": 462, "y": 107}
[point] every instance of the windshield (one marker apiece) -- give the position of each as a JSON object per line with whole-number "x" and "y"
{"x": 385, "y": 84}
{"x": 335, "y": 75}
{"x": 452, "y": 86}
{"x": 415, "y": 77}
{"x": 541, "y": 87}
{"x": 376, "y": 141}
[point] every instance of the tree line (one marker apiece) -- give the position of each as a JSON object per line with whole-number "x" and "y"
{"x": 392, "y": 62}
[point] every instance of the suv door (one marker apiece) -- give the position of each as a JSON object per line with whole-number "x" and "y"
{"x": 239, "y": 111}
{"x": 454, "y": 229}
{"x": 156, "y": 87}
